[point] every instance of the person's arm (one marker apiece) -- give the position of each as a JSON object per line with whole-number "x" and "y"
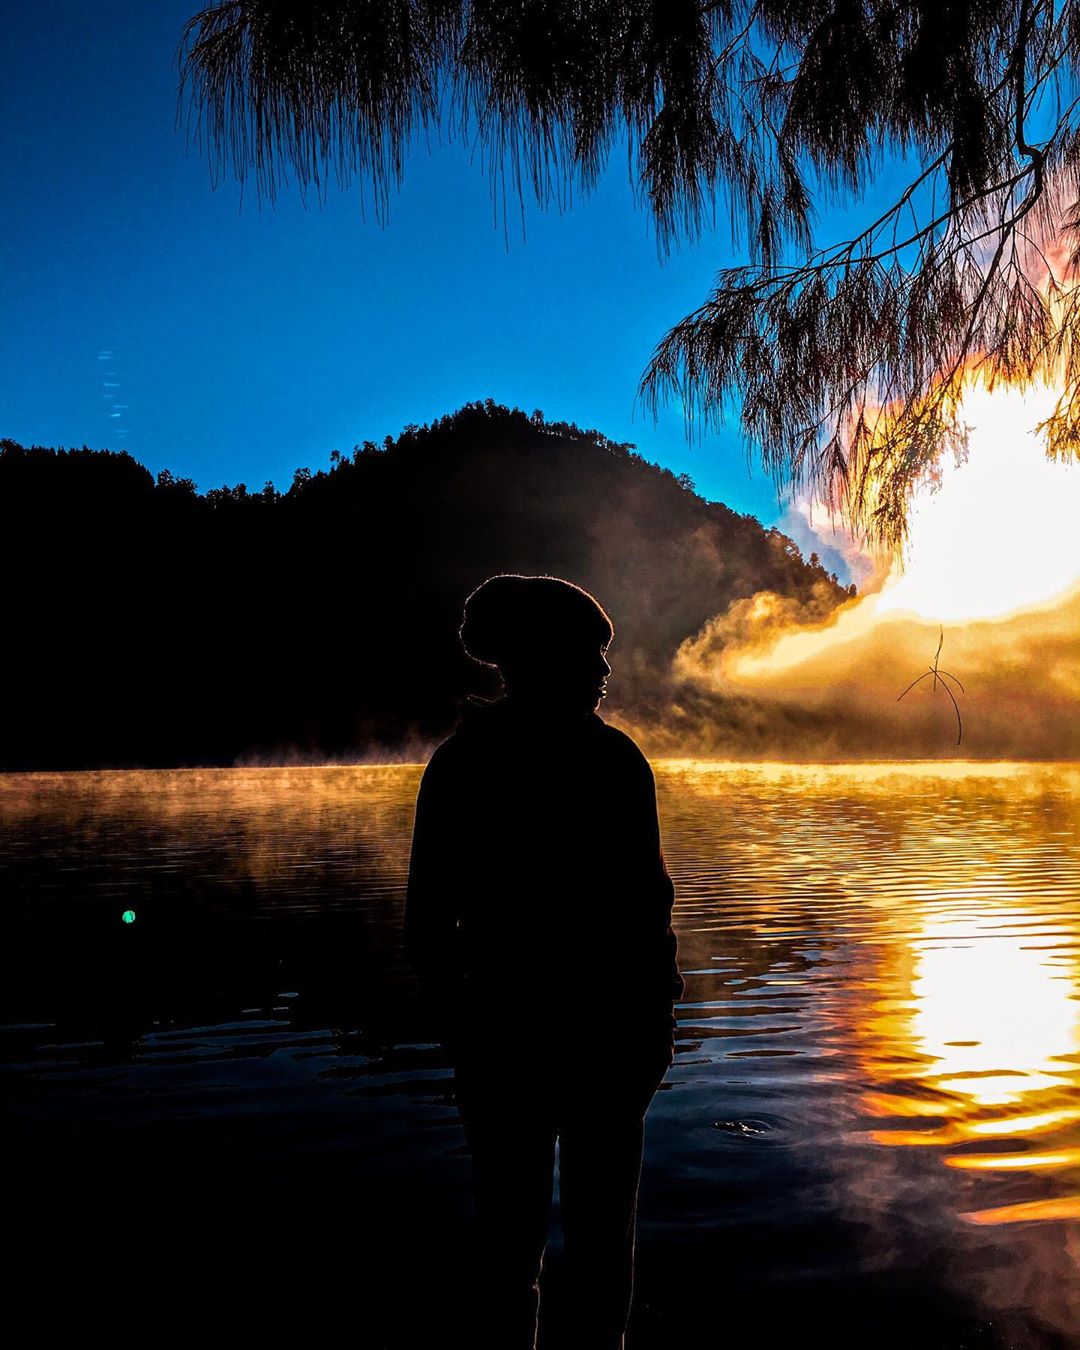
{"x": 676, "y": 985}
{"x": 430, "y": 931}
{"x": 660, "y": 959}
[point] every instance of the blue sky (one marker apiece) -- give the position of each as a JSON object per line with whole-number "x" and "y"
{"x": 245, "y": 342}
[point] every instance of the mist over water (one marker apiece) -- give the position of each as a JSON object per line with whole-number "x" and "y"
{"x": 872, "y": 1125}
{"x": 775, "y": 679}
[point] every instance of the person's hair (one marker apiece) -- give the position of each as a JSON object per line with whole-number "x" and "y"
{"x": 512, "y": 615}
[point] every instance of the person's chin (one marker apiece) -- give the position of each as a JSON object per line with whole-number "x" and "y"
{"x": 582, "y": 707}
{"x": 583, "y": 704}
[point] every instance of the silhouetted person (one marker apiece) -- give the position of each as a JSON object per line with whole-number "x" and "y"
{"x": 538, "y": 919}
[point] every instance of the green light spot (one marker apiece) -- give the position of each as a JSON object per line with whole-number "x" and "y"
{"x": 128, "y": 916}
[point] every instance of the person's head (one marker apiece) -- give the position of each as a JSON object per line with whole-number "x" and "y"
{"x": 547, "y": 637}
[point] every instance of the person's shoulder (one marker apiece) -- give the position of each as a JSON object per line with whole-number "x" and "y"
{"x": 467, "y": 741}
{"x": 444, "y": 760}
{"x": 622, "y": 747}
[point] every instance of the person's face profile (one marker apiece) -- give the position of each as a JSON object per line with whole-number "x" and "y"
{"x": 570, "y": 675}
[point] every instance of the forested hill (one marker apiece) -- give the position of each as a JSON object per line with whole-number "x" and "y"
{"x": 148, "y": 624}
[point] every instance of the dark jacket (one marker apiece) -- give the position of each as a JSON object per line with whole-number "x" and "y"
{"x": 537, "y": 885}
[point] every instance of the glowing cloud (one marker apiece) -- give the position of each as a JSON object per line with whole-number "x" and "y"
{"x": 994, "y": 557}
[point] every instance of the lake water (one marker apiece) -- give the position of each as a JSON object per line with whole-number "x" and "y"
{"x": 222, "y": 1112}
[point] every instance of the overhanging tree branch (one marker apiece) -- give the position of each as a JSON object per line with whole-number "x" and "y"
{"x": 846, "y": 362}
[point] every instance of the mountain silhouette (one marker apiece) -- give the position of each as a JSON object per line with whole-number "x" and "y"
{"x": 148, "y": 624}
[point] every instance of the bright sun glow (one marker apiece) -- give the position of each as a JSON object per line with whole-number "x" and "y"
{"x": 995, "y": 1016}
{"x": 996, "y": 537}
{"x": 1001, "y": 532}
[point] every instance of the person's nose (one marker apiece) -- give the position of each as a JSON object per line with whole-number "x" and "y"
{"x": 605, "y": 669}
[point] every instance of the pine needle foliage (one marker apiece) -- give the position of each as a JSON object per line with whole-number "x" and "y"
{"x": 847, "y": 361}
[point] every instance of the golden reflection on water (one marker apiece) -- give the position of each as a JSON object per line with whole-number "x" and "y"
{"x": 991, "y": 1032}
{"x": 957, "y": 887}
{"x": 994, "y": 1015}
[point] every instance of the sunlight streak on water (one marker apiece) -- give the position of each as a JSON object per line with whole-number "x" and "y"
{"x": 925, "y": 923}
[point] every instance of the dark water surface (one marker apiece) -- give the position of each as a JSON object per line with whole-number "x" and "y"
{"x": 223, "y": 1116}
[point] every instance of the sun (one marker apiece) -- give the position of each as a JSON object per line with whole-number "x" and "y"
{"x": 1000, "y": 531}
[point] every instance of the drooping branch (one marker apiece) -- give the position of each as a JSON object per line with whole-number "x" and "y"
{"x": 847, "y": 362}
{"x": 939, "y": 676}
